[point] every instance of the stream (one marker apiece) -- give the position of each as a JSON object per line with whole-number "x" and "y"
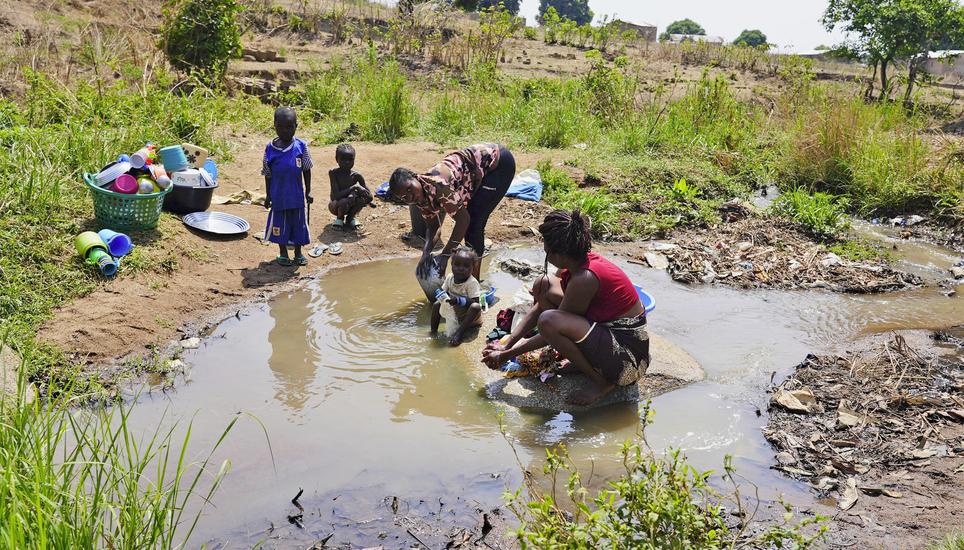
{"x": 356, "y": 404}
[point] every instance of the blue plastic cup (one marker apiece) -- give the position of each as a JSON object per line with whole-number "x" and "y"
{"x": 211, "y": 169}
{"x": 118, "y": 244}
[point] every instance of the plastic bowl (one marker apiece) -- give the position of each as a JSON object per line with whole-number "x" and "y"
{"x": 185, "y": 199}
{"x": 649, "y": 303}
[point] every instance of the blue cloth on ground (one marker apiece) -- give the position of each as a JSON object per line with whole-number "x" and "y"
{"x": 526, "y": 186}
{"x": 382, "y": 190}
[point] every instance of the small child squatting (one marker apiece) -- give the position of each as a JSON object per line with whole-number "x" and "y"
{"x": 286, "y": 164}
{"x": 349, "y": 194}
{"x": 463, "y": 292}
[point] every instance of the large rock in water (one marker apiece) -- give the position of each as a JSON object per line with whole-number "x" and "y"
{"x": 671, "y": 368}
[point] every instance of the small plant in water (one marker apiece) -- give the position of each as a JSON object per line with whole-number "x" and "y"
{"x": 657, "y": 503}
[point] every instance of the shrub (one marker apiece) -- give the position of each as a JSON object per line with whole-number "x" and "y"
{"x": 823, "y": 216}
{"x": 656, "y": 503}
{"x": 529, "y": 33}
{"x": 386, "y": 109}
{"x": 324, "y": 96}
{"x": 201, "y": 36}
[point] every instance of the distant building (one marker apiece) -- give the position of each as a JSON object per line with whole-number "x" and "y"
{"x": 945, "y": 63}
{"x": 680, "y": 38}
{"x": 645, "y": 31}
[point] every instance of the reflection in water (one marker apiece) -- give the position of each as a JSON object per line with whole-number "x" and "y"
{"x": 293, "y": 364}
{"x": 360, "y": 402}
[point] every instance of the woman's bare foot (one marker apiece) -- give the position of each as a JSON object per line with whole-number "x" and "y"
{"x": 566, "y": 367}
{"x": 590, "y": 394}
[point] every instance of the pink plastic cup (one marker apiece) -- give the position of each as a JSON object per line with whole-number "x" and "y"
{"x": 125, "y": 183}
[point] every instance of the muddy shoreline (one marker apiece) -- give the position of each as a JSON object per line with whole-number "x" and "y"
{"x": 878, "y": 434}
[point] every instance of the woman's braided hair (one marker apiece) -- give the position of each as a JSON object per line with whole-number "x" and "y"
{"x": 566, "y": 233}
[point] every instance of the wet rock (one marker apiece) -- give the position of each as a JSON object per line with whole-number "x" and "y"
{"x": 957, "y": 272}
{"x": 786, "y": 459}
{"x": 522, "y": 268}
{"x": 656, "y": 260}
{"x": 671, "y": 368}
{"x": 831, "y": 260}
{"x": 191, "y": 343}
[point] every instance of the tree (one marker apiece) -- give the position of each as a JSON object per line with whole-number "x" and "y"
{"x": 512, "y": 6}
{"x": 754, "y": 39}
{"x": 891, "y": 30}
{"x": 574, "y": 10}
{"x": 683, "y": 26}
{"x": 202, "y": 36}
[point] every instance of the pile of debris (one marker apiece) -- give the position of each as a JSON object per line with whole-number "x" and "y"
{"x": 772, "y": 253}
{"x": 888, "y": 410}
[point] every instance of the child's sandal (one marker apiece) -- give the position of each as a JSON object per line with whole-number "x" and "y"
{"x": 283, "y": 261}
{"x": 353, "y": 224}
{"x": 301, "y": 260}
{"x": 338, "y": 223}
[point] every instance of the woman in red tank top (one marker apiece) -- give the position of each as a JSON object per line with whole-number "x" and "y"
{"x": 589, "y": 312}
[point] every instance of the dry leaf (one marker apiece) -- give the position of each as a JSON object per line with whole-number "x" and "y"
{"x": 846, "y": 417}
{"x": 850, "y": 495}
{"x": 789, "y": 402}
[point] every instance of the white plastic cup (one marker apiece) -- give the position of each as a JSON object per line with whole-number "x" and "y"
{"x": 139, "y": 159}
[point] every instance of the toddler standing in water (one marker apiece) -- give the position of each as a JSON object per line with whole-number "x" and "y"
{"x": 286, "y": 164}
{"x": 348, "y": 191}
{"x": 458, "y": 299}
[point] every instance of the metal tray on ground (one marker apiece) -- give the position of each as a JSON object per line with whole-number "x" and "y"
{"x": 216, "y": 222}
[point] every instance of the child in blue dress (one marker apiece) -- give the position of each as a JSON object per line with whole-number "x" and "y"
{"x": 286, "y": 164}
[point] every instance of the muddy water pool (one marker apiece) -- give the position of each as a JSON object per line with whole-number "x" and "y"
{"x": 360, "y": 405}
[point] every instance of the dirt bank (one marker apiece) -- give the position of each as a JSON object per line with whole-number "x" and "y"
{"x": 139, "y": 309}
{"x": 879, "y": 435}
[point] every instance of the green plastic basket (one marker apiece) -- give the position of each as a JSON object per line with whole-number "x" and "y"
{"x": 122, "y": 211}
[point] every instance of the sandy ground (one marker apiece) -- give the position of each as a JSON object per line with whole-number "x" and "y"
{"x": 135, "y": 313}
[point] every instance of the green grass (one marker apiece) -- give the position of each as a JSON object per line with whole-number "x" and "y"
{"x": 950, "y": 542}
{"x": 86, "y": 479}
{"x": 823, "y": 216}
{"x": 860, "y": 250}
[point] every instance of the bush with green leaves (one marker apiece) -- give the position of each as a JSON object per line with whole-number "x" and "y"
{"x": 657, "y": 503}
{"x": 823, "y": 216}
{"x": 201, "y": 36}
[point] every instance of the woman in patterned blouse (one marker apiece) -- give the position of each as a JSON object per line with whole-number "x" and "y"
{"x": 466, "y": 185}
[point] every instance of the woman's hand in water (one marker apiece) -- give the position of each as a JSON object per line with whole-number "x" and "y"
{"x": 424, "y": 266}
{"x": 494, "y": 358}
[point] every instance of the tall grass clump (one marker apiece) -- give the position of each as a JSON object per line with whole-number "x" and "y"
{"x": 450, "y": 118}
{"x": 823, "y": 216}
{"x": 86, "y": 479}
{"x": 324, "y": 96}
{"x": 385, "y": 108}
{"x": 875, "y": 154}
